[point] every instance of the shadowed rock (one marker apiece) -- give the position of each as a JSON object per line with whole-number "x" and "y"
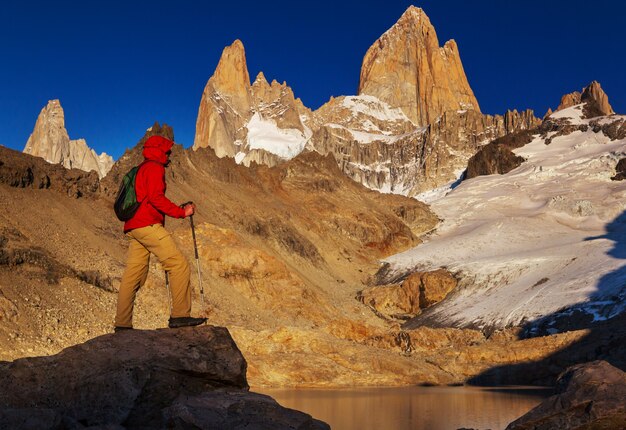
{"x": 186, "y": 378}
{"x": 498, "y": 156}
{"x": 589, "y": 396}
{"x": 620, "y": 170}
{"x": 26, "y": 171}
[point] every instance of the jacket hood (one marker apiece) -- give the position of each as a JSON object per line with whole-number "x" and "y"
{"x": 155, "y": 149}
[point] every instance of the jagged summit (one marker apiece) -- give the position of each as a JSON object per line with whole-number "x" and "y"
{"x": 593, "y": 96}
{"x": 407, "y": 68}
{"x": 50, "y": 140}
{"x": 413, "y": 15}
{"x": 259, "y": 122}
{"x": 231, "y": 77}
{"x": 413, "y": 97}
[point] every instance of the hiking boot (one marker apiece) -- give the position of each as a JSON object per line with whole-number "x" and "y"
{"x": 120, "y": 328}
{"x": 185, "y": 322}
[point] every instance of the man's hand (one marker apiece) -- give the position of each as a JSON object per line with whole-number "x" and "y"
{"x": 190, "y": 209}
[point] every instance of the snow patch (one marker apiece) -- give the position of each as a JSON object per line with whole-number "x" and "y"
{"x": 574, "y": 113}
{"x": 264, "y": 134}
{"x": 374, "y": 107}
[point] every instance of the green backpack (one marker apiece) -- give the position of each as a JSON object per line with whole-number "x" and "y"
{"x": 126, "y": 203}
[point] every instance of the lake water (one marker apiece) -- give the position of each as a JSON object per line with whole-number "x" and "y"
{"x": 414, "y": 408}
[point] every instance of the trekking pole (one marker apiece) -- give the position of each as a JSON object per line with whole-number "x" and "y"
{"x": 195, "y": 248}
{"x": 169, "y": 295}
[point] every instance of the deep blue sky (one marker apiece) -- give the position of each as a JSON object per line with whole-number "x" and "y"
{"x": 117, "y": 66}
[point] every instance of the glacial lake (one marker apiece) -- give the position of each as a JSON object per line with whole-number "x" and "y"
{"x": 412, "y": 408}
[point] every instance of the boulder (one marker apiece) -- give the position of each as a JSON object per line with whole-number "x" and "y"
{"x": 190, "y": 377}
{"x": 419, "y": 291}
{"x": 588, "y": 396}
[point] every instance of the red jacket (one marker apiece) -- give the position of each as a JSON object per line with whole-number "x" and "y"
{"x": 150, "y": 186}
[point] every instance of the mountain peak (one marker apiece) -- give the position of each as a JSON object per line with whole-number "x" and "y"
{"x": 407, "y": 68}
{"x": 413, "y": 14}
{"x": 260, "y": 79}
{"x": 50, "y": 140}
{"x": 231, "y": 76}
{"x": 593, "y": 96}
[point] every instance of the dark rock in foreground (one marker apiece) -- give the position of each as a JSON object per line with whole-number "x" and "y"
{"x": 589, "y": 396}
{"x": 184, "y": 378}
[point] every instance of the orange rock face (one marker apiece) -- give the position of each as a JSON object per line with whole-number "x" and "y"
{"x": 419, "y": 291}
{"x": 407, "y": 68}
{"x": 592, "y": 93}
{"x": 229, "y": 103}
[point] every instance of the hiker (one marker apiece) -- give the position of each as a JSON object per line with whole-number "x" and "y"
{"x": 147, "y": 235}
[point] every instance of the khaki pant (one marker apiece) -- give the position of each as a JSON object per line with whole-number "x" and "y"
{"x": 156, "y": 240}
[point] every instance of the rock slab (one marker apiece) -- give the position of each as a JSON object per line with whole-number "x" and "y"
{"x": 589, "y": 396}
{"x": 186, "y": 378}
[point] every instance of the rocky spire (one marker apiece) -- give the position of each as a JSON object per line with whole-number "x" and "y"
{"x": 407, "y": 68}
{"x": 225, "y": 103}
{"x": 50, "y": 140}
{"x": 593, "y": 96}
{"x": 231, "y": 77}
{"x": 594, "y": 93}
{"x": 231, "y": 107}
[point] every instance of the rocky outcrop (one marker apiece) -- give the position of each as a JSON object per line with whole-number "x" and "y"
{"x": 417, "y": 292}
{"x": 620, "y": 170}
{"x": 50, "y": 141}
{"x": 497, "y": 156}
{"x": 26, "y": 171}
{"x": 258, "y": 122}
{"x": 141, "y": 379}
{"x": 596, "y": 102}
{"x": 590, "y": 395}
{"x": 407, "y": 68}
{"x": 389, "y": 155}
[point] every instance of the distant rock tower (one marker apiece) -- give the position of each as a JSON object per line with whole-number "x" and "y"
{"x": 50, "y": 141}
{"x": 235, "y": 117}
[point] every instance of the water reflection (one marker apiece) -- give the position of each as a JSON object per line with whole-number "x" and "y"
{"x": 414, "y": 408}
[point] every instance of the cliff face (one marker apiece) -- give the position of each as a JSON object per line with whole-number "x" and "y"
{"x": 407, "y": 68}
{"x": 50, "y": 140}
{"x": 401, "y": 159}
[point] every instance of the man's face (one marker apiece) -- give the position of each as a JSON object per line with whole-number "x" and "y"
{"x": 168, "y": 153}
